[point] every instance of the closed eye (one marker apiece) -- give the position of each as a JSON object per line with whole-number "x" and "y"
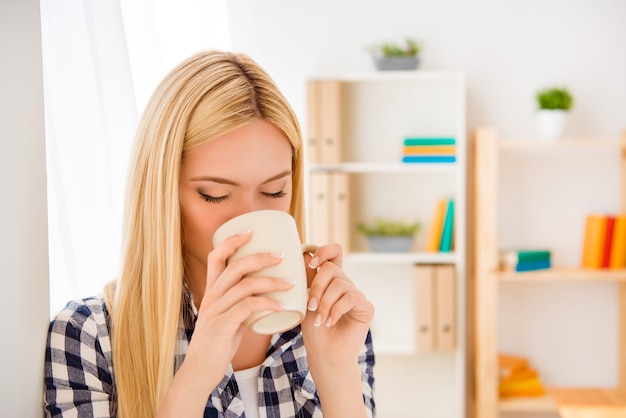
{"x": 212, "y": 199}
{"x": 276, "y": 195}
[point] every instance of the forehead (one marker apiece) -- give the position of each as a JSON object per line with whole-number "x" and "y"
{"x": 253, "y": 150}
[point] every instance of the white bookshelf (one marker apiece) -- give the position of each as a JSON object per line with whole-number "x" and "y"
{"x": 356, "y": 135}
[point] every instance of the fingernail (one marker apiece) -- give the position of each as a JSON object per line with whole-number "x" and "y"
{"x": 314, "y": 262}
{"x": 317, "y": 321}
{"x": 278, "y": 254}
{"x": 246, "y": 232}
{"x": 312, "y": 304}
{"x": 329, "y": 322}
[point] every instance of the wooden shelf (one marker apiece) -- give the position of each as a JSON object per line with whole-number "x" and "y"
{"x": 563, "y": 274}
{"x": 403, "y": 258}
{"x": 568, "y": 399}
{"x": 373, "y": 167}
{"x": 530, "y": 404}
{"x": 564, "y": 143}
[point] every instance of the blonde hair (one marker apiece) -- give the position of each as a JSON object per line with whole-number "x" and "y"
{"x": 204, "y": 97}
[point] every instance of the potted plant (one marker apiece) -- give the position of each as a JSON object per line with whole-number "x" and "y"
{"x": 394, "y": 56}
{"x": 553, "y": 105}
{"x": 384, "y": 235}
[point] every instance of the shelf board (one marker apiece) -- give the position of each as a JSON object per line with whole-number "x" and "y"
{"x": 563, "y": 143}
{"x": 373, "y": 167}
{"x": 529, "y": 404}
{"x": 402, "y": 258}
{"x": 564, "y": 274}
{"x": 557, "y": 399}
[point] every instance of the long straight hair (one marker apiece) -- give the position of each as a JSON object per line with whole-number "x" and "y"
{"x": 206, "y": 96}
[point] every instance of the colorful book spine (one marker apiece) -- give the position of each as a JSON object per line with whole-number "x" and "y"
{"x": 429, "y": 150}
{"x": 429, "y": 141}
{"x": 594, "y": 240}
{"x": 617, "y": 259}
{"x": 429, "y": 159}
{"x": 533, "y": 265}
{"x": 608, "y": 241}
{"x": 447, "y": 233}
{"x": 433, "y": 240}
{"x": 526, "y": 259}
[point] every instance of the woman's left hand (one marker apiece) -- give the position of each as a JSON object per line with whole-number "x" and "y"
{"x": 339, "y": 315}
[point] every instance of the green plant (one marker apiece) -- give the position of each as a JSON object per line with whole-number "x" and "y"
{"x": 411, "y": 48}
{"x": 555, "y": 98}
{"x": 388, "y": 228}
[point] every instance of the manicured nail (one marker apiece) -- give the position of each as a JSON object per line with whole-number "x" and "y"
{"x": 278, "y": 254}
{"x": 312, "y": 304}
{"x": 329, "y": 322}
{"x": 317, "y": 321}
{"x": 246, "y": 232}
{"x": 314, "y": 262}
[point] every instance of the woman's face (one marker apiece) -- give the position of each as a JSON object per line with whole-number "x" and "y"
{"x": 244, "y": 170}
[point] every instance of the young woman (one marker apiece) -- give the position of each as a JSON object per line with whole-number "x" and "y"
{"x": 167, "y": 339}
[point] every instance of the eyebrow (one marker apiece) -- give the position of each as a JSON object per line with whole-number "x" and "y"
{"x": 222, "y": 180}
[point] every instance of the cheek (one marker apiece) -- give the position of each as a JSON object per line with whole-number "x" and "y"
{"x": 198, "y": 226}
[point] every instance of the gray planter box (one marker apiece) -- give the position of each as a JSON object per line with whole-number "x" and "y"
{"x": 382, "y": 244}
{"x": 396, "y": 63}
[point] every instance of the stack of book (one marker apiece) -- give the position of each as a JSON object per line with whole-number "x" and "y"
{"x": 525, "y": 259}
{"x": 429, "y": 150}
{"x": 604, "y": 242}
{"x": 440, "y": 236}
{"x": 517, "y": 378}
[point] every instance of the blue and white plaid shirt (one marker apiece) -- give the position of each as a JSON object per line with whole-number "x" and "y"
{"x": 80, "y": 382}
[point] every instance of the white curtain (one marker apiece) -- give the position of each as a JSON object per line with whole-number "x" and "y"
{"x": 102, "y": 59}
{"x": 90, "y": 117}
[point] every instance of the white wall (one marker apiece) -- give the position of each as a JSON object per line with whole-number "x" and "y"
{"x": 507, "y": 48}
{"x": 23, "y": 237}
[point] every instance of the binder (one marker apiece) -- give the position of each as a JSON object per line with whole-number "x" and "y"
{"x": 320, "y": 214}
{"x": 313, "y": 148}
{"x": 339, "y": 207}
{"x": 330, "y": 129}
{"x": 445, "y": 291}
{"x": 424, "y": 309}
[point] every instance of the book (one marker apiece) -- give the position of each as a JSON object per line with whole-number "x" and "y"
{"x": 429, "y": 141}
{"x": 608, "y": 241}
{"x": 513, "y": 256}
{"x": 447, "y": 231}
{"x": 429, "y": 150}
{"x": 533, "y": 265}
{"x": 593, "y": 241}
{"x": 517, "y": 377}
{"x": 618, "y": 245}
{"x": 436, "y": 226}
{"x": 429, "y": 159}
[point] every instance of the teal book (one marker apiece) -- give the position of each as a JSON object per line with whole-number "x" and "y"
{"x": 514, "y": 256}
{"x": 447, "y": 232}
{"x": 429, "y": 141}
{"x": 429, "y": 159}
{"x": 532, "y": 265}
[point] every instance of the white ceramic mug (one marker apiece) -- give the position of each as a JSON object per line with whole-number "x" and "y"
{"x": 273, "y": 231}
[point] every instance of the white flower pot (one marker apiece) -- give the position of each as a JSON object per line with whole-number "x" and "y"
{"x": 551, "y": 123}
{"x": 383, "y": 244}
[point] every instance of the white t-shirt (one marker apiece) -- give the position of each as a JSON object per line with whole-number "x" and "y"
{"x": 247, "y": 380}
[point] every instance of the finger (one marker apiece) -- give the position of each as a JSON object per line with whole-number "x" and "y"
{"x": 335, "y": 291}
{"x": 353, "y": 304}
{"x": 322, "y": 279}
{"x": 238, "y": 313}
{"x": 238, "y": 269}
{"x": 253, "y": 286}
{"x": 216, "y": 259}
{"x": 329, "y": 252}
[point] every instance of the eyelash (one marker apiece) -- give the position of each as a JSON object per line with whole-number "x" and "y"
{"x": 211, "y": 199}
{"x": 219, "y": 199}
{"x": 276, "y": 195}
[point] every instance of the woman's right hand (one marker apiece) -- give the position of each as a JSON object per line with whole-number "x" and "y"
{"x": 229, "y": 298}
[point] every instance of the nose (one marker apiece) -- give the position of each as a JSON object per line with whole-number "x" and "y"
{"x": 247, "y": 202}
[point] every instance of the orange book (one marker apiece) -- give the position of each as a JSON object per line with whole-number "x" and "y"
{"x": 593, "y": 242}
{"x": 618, "y": 245}
{"x": 428, "y": 150}
{"x": 434, "y": 233}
